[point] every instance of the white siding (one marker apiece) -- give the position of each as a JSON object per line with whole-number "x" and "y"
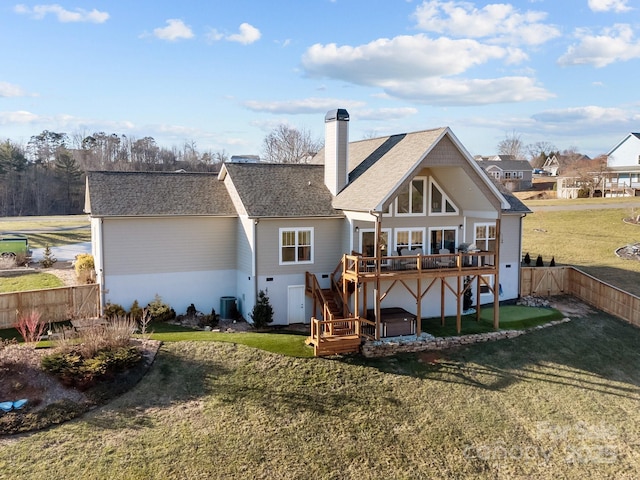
{"x": 177, "y": 289}
{"x": 626, "y": 154}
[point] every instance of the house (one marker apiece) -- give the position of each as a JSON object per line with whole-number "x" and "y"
{"x": 514, "y": 174}
{"x": 551, "y": 165}
{"x": 371, "y": 236}
{"x": 623, "y": 168}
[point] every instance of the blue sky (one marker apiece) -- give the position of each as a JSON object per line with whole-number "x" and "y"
{"x": 225, "y": 73}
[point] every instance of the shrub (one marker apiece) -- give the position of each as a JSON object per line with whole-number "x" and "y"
{"x": 47, "y": 257}
{"x": 527, "y": 259}
{"x": 209, "y": 320}
{"x": 467, "y": 299}
{"x": 539, "y": 262}
{"x": 84, "y": 267}
{"x": 553, "y": 262}
{"x": 135, "y": 312}
{"x": 30, "y": 327}
{"x": 160, "y": 311}
{"x": 75, "y": 370}
{"x": 262, "y": 313}
{"x": 113, "y": 310}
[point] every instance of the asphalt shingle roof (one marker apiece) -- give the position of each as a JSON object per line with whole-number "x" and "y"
{"x": 156, "y": 194}
{"x": 282, "y": 190}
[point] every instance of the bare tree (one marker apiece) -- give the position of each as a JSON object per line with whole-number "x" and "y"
{"x": 512, "y": 145}
{"x": 538, "y": 152}
{"x": 289, "y": 145}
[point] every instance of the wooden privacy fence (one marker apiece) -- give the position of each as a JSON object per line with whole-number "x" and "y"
{"x": 547, "y": 281}
{"x": 55, "y": 304}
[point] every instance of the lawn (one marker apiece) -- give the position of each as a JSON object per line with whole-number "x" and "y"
{"x": 586, "y": 239}
{"x": 53, "y": 230}
{"x": 18, "y": 281}
{"x": 556, "y": 403}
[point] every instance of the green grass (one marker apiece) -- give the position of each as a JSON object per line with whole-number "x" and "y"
{"x": 512, "y": 317}
{"x": 22, "y": 281}
{"x": 285, "y": 344}
{"x": 586, "y": 239}
{"x": 53, "y": 230}
{"x": 556, "y": 403}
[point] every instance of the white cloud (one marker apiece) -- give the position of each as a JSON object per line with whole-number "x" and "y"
{"x": 19, "y": 117}
{"x": 78, "y": 15}
{"x": 175, "y": 30}
{"x": 444, "y": 91}
{"x": 9, "y": 90}
{"x": 499, "y": 22}
{"x": 615, "y": 44}
{"x": 384, "y": 114}
{"x": 306, "y": 105}
{"x": 400, "y": 58}
{"x": 609, "y": 5}
{"x": 587, "y": 115}
{"x": 248, "y": 34}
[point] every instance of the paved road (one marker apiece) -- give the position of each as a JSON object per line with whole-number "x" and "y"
{"x": 65, "y": 253}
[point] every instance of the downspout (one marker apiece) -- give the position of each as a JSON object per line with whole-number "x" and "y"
{"x": 102, "y": 281}
{"x": 255, "y": 260}
{"x": 520, "y": 255}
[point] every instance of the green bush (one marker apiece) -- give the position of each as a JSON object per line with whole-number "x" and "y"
{"x": 262, "y": 313}
{"x": 74, "y": 370}
{"x": 160, "y": 311}
{"x": 114, "y": 310}
{"x": 135, "y": 311}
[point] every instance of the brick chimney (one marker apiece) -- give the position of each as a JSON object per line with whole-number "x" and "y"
{"x": 336, "y": 149}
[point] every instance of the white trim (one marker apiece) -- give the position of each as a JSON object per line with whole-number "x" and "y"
{"x": 410, "y": 230}
{"x": 425, "y": 184}
{"x": 441, "y": 229}
{"x": 445, "y": 198}
{"x": 296, "y": 230}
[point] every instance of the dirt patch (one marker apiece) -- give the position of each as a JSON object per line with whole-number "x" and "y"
{"x": 50, "y": 402}
{"x": 570, "y": 306}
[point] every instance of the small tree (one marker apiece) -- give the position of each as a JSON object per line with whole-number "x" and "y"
{"x": 527, "y": 259}
{"x": 47, "y": 257}
{"x": 553, "y": 262}
{"x": 539, "y": 262}
{"x": 262, "y": 313}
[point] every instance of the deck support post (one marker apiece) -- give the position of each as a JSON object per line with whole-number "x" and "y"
{"x": 496, "y": 283}
{"x": 419, "y": 309}
{"x": 458, "y": 309}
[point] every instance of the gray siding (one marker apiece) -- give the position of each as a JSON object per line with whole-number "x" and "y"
{"x": 328, "y": 245}
{"x": 169, "y": 244}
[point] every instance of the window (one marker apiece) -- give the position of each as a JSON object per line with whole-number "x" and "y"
{"x": 296, "y": 245}
{"x": 486, "y": 283}
{"x": 411, "y": 199}
{"x": 368, "y": 242}
{"x": 485, "y": 236}
{"x": 409, "y": 238}
{"x": 442, "y": 238}
{"x": 439, "y": 202}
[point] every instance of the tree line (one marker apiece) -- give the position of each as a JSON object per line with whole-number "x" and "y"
{"x": 46, "y": 176}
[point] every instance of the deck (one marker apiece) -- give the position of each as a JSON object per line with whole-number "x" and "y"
{"x": 358, "y": 268}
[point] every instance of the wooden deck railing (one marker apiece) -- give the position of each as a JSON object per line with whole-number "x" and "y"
{"x": 361, "y": 266}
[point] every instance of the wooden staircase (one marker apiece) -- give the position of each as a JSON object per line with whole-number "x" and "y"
{"x": 334, "y": 334}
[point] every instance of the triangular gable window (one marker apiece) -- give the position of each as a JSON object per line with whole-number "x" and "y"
{"x": 439, "y": 202}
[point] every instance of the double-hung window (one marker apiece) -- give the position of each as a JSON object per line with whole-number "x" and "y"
{"x": 296, "y": 245}
{"x": 485, "y": 236}
{"x": 410, "y": 238}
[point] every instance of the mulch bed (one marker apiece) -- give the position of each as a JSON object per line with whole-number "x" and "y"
{"x": 49, "y": 402}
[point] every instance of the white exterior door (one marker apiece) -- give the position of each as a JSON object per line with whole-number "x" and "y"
{"x": 296, "y": 303}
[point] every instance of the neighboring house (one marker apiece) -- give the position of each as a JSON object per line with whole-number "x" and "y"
{"x": 551, "y": 165}
{"x": 623, "y": 165}
{"x": 514, "y": 174}
{"x": 407, "y": 222}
